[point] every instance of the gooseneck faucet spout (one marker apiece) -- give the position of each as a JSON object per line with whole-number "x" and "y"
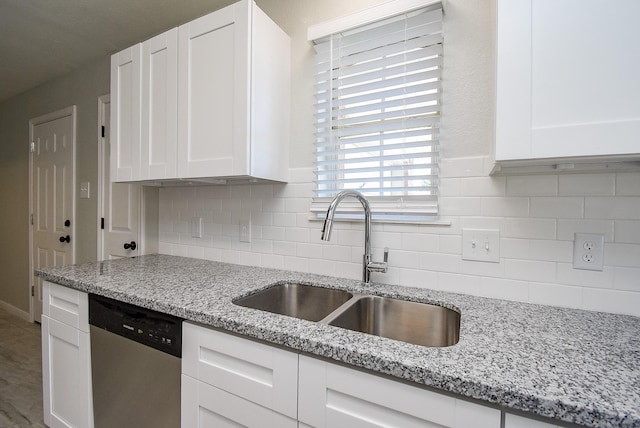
{"x": 368, "y": 265}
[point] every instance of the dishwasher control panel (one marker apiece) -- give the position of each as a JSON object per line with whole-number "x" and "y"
{"x": 155, "y": 329}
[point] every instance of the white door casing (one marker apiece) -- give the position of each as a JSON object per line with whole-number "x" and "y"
{"x": 119, "y": 202}
{"x": 52, "y": 196}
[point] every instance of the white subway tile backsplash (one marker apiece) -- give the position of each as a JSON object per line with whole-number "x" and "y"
{"x": 566, "y": 274}
{"x": 627, "y": 231}
{"x": 529, "y": 228}
{"x": 555, "y": 295}
{"x": 626, "y": 279}
{"x": 614, "y": 208}
{"x": 499, "y": 288}
{"x": 529, "y": 270}
{"x": 568, "y": 228}
{"x": 624, "y": 302}
{"x": 505, "y": 207}
{"x": 564, "y": 207}
{"x": 460, "y": 206}
{"x": 628, "y": 184}
{"x": 537, "y": 217}
{"x": 537, "y": 185}
{"x": 587, "y": 185}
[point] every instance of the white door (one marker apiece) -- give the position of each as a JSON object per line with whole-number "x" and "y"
{"x": 120, "y": 204}
{"x": 52, "y": 195}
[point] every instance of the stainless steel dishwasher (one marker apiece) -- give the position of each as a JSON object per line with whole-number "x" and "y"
{"x": 135, "y": 365}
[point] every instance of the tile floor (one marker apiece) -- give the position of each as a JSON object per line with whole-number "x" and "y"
{"x": 20, "y": 373}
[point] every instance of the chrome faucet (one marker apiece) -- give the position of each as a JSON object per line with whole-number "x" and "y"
{"x": 368, "y": 265}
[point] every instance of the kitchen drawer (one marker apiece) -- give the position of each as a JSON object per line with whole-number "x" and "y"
{"x": 66, "y": 305}
{"x": 259, "y": 373}
{"x": 205, "y": 406}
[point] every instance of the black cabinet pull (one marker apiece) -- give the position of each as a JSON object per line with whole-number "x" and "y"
{"x": 66, "y": 239}
{"x": 130, "y": 246}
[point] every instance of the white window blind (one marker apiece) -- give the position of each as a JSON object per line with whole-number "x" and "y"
{"x": 378, "y": 98}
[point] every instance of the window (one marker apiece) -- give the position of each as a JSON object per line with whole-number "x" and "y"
{"x": 378, "y": 97}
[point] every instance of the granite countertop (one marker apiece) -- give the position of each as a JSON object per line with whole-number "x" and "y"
{"x": 572, "y": 365}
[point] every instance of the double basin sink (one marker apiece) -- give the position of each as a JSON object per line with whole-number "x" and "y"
{"x": 411, "y": 322}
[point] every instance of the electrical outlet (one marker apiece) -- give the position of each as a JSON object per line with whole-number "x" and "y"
{"x": 481, "y": 245}
{"x": 245, "y": 229}
{"x": 588, "y": 251}
{"x": 196, "y": 227}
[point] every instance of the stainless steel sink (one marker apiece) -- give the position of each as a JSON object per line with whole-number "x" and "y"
{"x": 417, "y": 323}
{"x": 297, "y": 300}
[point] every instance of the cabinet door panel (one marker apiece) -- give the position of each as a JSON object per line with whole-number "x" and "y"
{"x": 331, "y": 395}
{"x": 563, "y": 89}
{"x": 513, "y": 421}
{"x": 125, "y": 114}
{"x": 65, "y": 375}
{"x": 159, "y": 133}
{"x": 204, "y": 406}
{"x": 213, "y": 94}
{"x": 259, "y": 373}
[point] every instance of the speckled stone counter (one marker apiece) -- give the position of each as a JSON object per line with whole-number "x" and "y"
{"x": 576, "y": 366}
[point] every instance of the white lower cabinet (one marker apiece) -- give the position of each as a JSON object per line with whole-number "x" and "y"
{"x": 334, "y": 396}
{"x": 66, "y": 358}
{"x": 231, "y": 381}
{"x": 513, "y": 421}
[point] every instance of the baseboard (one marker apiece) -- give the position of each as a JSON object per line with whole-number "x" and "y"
{"x": 24, "y": 315}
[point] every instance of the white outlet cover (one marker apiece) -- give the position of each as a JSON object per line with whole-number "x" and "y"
{"x": 481, "y": 245}
{"x": 245, "y": 228}
{"x": 588, "y": 251}
{"x": 196, "y": 227}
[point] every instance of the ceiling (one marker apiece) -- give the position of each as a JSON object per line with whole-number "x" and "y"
{"x": 41, "y": 40}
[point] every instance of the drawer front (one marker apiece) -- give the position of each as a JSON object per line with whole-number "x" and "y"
{"x": 205, "y": 406}
{"x": 66, "y": 305}
{"x": 259, "y": 373}
{"x": 332, "y": 396}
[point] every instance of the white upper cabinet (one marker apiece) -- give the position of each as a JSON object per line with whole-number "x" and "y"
{"x": 125, "y": 114}
{"x": 215, "y": 96}
{"x": 567, "y": 82}
{"x": 159, "y": 134}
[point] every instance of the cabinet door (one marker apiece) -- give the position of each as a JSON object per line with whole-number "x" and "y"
{"x": 213, "y": 93}
{"x": 125, "y": 114}
{"x": 204, "y": 406}
{"x": 256, "y": 372}
{"x": 159, "y": 133}
{"x": 513, "y": 421}
{"x": 66, "y": 379}
{"x": 332, "y": 395}
{"x": 563, "y": 88}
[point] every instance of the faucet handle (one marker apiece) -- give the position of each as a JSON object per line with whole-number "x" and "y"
{"x": 386, "y": 254}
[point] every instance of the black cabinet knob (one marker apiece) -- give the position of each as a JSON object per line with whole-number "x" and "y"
{"x": 67, "y": 223}
{"x": 130, "y": 246}
{"x": 66, "y": 239}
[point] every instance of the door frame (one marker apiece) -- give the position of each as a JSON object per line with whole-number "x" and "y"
{"x": 58, "y": 114}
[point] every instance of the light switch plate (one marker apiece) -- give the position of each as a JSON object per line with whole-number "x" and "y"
{"x": 481, "y": 245}
{"x": 85, "y": 188}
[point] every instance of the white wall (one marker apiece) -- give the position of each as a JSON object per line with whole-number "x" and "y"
{"x": 536, "y": 215}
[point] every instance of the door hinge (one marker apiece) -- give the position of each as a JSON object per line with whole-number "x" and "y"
{"x": 102, "y": 223}
{"x": 103, "y": 131}
{"x": 33, "y": 291}
{"x": 32, "y": 147}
